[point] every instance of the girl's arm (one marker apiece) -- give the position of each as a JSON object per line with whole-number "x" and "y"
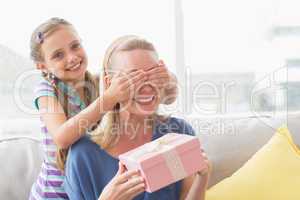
{"x": 66, "y": 131}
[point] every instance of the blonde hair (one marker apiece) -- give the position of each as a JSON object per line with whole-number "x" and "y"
{"x": 43, "y": 31}
{"x": 107, "y": 134}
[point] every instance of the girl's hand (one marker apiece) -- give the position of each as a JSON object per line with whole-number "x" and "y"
{"x": 164, "y": 80}
{"x": 124, "y": 186}
{"x": 123, "y": 84}
{"x": 159, "y": 75}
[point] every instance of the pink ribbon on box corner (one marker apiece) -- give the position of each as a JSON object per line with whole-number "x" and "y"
{"x": 170, "y": 155}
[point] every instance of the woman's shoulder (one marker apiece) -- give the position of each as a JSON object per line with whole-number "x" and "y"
{"x": 83, "y": 148}
{"x": 175, "y": 125}
{"x": 176, "y": 120}
{"x": 91, "y": 158}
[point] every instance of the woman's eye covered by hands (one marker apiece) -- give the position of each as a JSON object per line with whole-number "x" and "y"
{"x": 158, "y": 75}
{"x": 124, "y": 83}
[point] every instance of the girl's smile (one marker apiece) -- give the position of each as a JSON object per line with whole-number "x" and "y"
{"x": 74, "y": 67}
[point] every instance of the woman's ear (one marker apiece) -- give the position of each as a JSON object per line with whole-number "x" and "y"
{"x": 107, "y": 81}
{"x": 161, "y": 62}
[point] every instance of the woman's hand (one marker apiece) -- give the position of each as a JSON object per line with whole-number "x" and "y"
{"x": 123, "y": 84}
{"x": 124, "y": 186}
{"x": 205, "y": 172}
{"x": 194, "y": 187}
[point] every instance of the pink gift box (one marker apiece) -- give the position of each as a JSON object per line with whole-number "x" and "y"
{"x": 165, "y": 160}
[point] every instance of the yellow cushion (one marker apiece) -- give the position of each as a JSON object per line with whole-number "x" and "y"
{"x": 273, "y": 173}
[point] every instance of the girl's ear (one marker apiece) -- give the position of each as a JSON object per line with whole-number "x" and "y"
{"x": 40, "y": 66}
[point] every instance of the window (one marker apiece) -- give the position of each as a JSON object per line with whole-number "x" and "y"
{"x": 229, "y": 48}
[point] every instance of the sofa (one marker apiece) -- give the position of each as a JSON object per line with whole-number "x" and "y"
{"x": 229, "y": 142}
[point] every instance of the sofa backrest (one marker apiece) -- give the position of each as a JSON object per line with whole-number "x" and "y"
{"x": 20, "y": 159}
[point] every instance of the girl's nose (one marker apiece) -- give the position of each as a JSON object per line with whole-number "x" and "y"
{"x": 72, "y": 58}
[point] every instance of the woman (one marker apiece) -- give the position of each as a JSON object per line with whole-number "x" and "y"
{"x": 93, "y": 170}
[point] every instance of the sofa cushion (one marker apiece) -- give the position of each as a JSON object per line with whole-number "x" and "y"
{"x": 230, "y": 141}
{"x": 272, "y": 173}
{"x": 21, "y": 159}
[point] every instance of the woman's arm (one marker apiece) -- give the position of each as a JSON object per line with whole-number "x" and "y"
{"x": 194, "y": 187}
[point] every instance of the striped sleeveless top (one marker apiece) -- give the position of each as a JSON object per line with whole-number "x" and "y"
{"x": 49, "y": 184}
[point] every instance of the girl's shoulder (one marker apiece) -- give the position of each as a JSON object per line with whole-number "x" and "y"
{"x": 43, "y": 84}
{"x": 43, "y": 88}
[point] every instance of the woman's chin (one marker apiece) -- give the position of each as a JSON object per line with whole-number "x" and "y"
{"x": 144, "y": 111}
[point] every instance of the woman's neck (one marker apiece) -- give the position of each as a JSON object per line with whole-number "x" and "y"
{"x": 135, "y": 127}
{"x": 133, "y": 131}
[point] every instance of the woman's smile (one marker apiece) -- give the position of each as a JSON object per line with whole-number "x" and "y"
{"x": 144, "y": 99}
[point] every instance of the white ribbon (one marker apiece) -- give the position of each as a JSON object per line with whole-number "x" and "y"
{"x": 170, "y": 155}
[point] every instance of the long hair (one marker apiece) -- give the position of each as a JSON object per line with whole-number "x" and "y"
{"x": 106, "y": 135}
{"x": 90, "y": 84}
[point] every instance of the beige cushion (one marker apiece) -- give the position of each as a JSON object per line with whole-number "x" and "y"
{"x": 271, "y": 173}
{"x": 229, "y": 143}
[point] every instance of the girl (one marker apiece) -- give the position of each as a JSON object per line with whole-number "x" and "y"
{"x": 93, "y": 170}
{"x": 68, "y": 99}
